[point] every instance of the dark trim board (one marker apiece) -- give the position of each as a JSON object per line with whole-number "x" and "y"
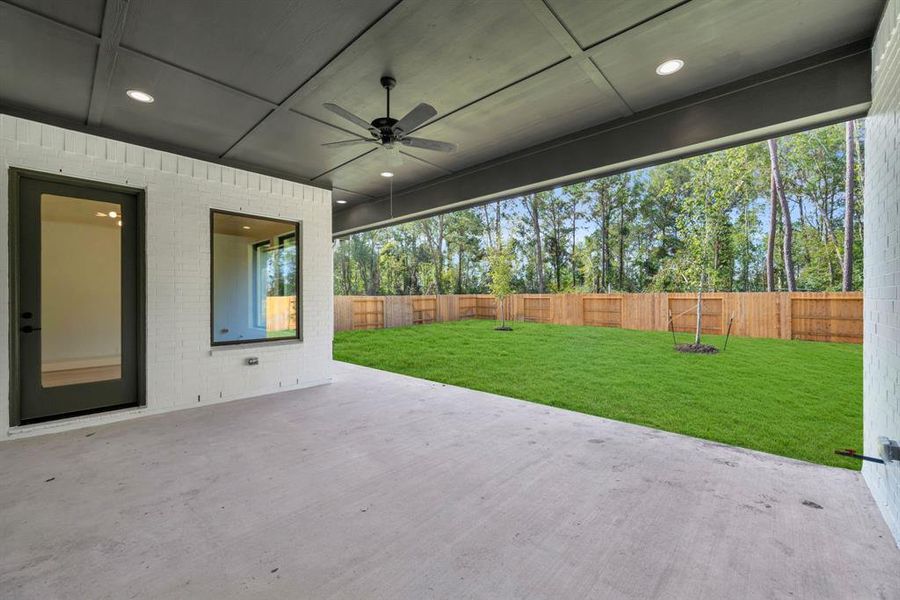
{"x": 16, "y": 175}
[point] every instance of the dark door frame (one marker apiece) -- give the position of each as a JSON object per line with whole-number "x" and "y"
{"x": 15, "y": 177}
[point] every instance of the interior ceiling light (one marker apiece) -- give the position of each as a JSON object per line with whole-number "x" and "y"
{"x": 669, "y": 67}
{"x": 387, "y": 174}
{"x": 341, "y": 201}
{"x": 246, "y": 227}
{"x": 140, "y": 96}
{"x": 112, "y": 214}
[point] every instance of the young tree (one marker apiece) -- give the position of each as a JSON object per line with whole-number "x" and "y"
{"x": 501, "y": 274}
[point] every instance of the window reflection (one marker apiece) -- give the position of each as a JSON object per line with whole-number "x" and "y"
{"x": 255, "y": 278}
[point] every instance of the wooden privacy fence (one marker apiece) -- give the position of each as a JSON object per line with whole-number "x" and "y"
{"x": 819, "y": 316}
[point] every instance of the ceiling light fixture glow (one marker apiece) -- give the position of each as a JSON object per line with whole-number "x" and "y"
{"x": 140, "y": 96}
{"x": 387, "y": 174}
{"x": 341, "y": 201}
{"x": 669, "y": 67}
{"x": 112, "y": 214}
{"x": 246, "y": 227}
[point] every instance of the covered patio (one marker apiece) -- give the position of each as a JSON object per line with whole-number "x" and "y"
{"x": 205, "y": 449}
{"x": 385, "y": 486}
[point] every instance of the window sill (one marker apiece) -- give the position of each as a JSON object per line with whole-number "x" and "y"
{"x": 254, "y": 345}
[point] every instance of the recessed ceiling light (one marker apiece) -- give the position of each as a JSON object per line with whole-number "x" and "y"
{"x": 341, "y": 201}
{"x": 669, "y": 67}
{"x": 140, "y": 96}
{"x": 246, "y": 227}
{"x": 120, "y": 223}
{"x": 112, "y": 214}
{"x": 387, "y": 174}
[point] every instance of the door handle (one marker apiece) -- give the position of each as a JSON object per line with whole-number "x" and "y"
{"x": 29, "y": 329}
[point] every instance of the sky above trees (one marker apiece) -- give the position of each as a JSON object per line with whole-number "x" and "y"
{"x": 705, "y": 220}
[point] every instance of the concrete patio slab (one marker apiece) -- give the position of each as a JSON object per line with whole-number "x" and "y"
{"x": 385, "y": 486}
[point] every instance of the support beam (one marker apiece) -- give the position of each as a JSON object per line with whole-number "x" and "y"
{"x": 110, "y": 35}
{"x": 822, "y": 89}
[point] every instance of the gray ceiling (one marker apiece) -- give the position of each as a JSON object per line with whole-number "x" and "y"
{"x": 243, "y": 82}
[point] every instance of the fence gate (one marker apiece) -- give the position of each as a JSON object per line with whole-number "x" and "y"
{"x": 424, "y": 310}
{"x": 368, "y": 313}
{"x": 602, "y": 311}
{"x": 827, "y": 319}
{"x": 485, "y": 308}
{"x": 537, "y": 309}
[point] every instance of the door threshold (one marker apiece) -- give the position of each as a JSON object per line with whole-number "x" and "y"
{"x": 76, "y": 421}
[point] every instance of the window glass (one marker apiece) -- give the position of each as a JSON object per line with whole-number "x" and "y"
{"x": 255, "y": 279}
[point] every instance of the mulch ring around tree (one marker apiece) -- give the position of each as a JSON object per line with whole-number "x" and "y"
{"x": 697, "y": 348}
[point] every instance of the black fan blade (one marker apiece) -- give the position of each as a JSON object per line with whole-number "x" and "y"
{"x": 346, "y": 114}
{"x": 350, "y": 142}
{"x": 414, "y": 118}
{"x": 428, "y": 144}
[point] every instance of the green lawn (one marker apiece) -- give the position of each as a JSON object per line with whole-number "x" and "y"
{"x": 797, "y": 399}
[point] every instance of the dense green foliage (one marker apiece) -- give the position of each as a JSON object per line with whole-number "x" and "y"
{"x": 792, "y": 398}
{"x": 661, "y": 228}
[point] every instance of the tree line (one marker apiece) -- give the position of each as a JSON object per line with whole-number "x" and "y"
{"x": 786, "y": 214}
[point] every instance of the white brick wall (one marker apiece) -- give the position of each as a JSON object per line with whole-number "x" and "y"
{"x": 881, "y": 349}
{"x": 179, "y": 194}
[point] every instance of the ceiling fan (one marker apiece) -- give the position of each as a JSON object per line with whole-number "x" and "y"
{"x": 386, "y": 131}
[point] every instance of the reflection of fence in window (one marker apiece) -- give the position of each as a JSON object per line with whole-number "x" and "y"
{"x": 281, "y": 313}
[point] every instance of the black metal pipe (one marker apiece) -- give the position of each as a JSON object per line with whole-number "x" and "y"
{"x": 852, "y": 454}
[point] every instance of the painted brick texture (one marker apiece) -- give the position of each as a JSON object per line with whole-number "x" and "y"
{"x": 179, "y": 194}
{"x": 881, "y": 349}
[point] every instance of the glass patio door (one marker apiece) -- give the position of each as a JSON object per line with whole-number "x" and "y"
{"x": 77, "y": 305}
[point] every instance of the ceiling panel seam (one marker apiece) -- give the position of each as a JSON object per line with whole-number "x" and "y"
{"x": 559, "y": 32}
{"x": 428, "y": 162}
{"x": 492, "y": 93}
{"x": 637, "y": 24}
{"x": 134, "y": 52}
{"x": 114, "y": 14}
{"x": 326, "y": 123}
{"x": 346, "y": 162}
{"x": 50, "y": 20}
{"x": 385, "y": 20}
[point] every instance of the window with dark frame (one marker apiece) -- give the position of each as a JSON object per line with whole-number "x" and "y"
{"x": 256, "y": 279}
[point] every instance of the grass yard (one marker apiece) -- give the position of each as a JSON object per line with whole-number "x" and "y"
{"x": 792, "y": 398}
